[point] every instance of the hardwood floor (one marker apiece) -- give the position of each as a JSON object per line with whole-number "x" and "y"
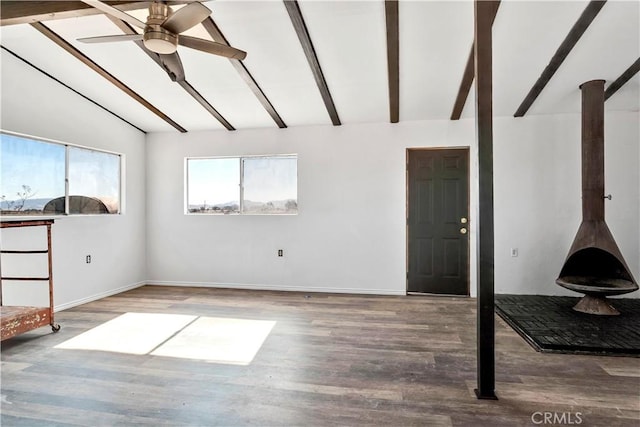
{"x": 329, "y": 359}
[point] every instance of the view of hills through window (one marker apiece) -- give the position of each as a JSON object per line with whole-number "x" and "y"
{"x": 32, "y": 178}
{"x": 247, "y": 185}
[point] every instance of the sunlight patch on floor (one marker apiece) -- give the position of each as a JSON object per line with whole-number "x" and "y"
{"x": 219, "y": 340}
{"x": 133, "y": 333}
{"x": 212, "y": 339}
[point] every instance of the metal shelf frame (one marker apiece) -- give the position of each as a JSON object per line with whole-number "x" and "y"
{"x": 15, "y": 320}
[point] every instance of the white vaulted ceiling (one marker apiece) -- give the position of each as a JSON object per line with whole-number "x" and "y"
{"x": 350, "y": 41}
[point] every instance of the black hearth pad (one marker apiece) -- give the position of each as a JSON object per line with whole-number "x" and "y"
{"x": 550, "y": 324}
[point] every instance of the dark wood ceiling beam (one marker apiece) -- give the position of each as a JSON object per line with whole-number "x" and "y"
{"x": 622, "y": 80}
{"x": 215, "y": 33}
{"x": 70, "y": 88}
{"x": 465, "y": 86}
{"x": 467, "y": 77}
{"x": 578, "y": 29}
{"x": 127, "y": 29}
{"x": 393, "y": 58}
{"x": 27, "y": 12}
{"x": 201, "y": 99}
{"x": 102, "y": 72}
{"x": 293, "y": 8}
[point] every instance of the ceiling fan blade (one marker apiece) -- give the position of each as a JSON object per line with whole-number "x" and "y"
{"x": 212, "y": 47}
{"x": 173, "y": 66}
{"x": 115, "y": 38}
{"x": 115, "y": 12}
{"x": 186, "y": 17}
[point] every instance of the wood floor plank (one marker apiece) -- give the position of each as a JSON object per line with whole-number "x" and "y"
{"x": 330, "y": 359}
{"x": 13, "y": 366}
{"x": 577, "y": 396}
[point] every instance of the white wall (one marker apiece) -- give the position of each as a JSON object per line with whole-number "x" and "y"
{"x": 34, "y": 104}
{"x": 349, "y": 235}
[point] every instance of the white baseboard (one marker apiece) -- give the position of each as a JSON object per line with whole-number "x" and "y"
{"x": 97, "y": 296}
{"x": 278, "y": 287}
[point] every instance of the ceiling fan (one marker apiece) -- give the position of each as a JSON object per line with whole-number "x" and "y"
{"x": 162, "y": 31}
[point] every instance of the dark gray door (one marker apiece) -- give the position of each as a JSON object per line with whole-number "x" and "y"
{"x": 438, "y": 212}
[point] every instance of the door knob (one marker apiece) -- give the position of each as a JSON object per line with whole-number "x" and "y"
{"x": 463, "y": 220}
{"x": 463, "y": 230}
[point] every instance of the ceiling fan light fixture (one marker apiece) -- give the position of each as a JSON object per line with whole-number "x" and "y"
{"x": 159, "y": 40}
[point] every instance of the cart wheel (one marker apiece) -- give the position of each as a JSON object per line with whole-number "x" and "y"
{"x": 55, "y": 327}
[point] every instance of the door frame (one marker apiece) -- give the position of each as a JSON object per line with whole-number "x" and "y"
{"x": 406, "y": 215}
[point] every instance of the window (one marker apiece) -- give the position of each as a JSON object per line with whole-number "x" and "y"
{"x": 34, "y": 176}
{"x": 94, "y": 177}
{"x": 243, "y": 185}
{"x": 270, "y": 185}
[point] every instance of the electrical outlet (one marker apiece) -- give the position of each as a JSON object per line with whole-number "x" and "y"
{"x": 280, "y": 252}
{"x": 514, "y": 252}
{"x": 88, "y": 259}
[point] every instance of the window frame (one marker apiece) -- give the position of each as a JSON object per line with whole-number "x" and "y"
{"x": 240, "y": 159}
{"x": 67, "y": 145}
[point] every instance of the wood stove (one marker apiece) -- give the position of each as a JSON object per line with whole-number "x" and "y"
{"x": 594, "y": 266}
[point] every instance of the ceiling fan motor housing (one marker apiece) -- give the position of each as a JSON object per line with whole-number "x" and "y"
{"x": 158, "y": 13}
{"x": 156, "y": 38}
